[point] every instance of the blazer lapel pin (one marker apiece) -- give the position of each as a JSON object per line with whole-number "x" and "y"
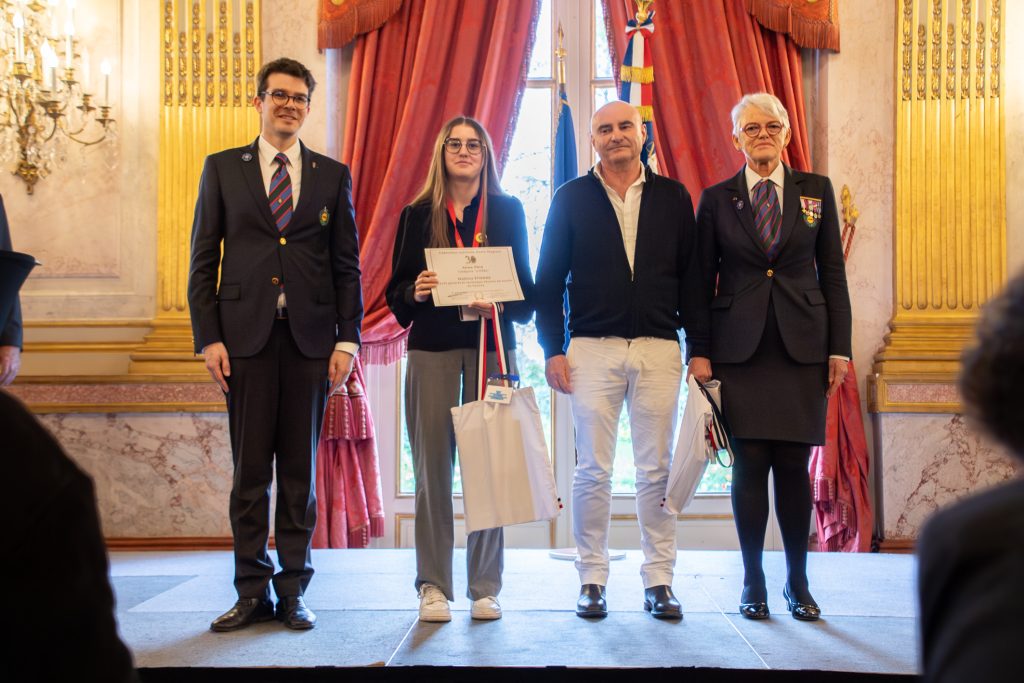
{"x": 247, "y": 157}
{"x": 738, "y": 202}
{"x": 325, "y": 216}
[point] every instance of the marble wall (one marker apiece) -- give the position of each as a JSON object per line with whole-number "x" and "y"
{"x": 156, "y": 475}
{"x": 929, "y": 461}
{"x": 92, "y": 224}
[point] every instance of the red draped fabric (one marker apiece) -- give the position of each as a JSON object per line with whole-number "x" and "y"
{"x": 349, "y": 501}
{"x": 839, "y": 475}
{"x": 706, "y": 56}
{"x": 431, "y": 61}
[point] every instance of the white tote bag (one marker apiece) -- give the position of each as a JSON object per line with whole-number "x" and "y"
{"x": 506, "y": 472}
{"x": 702, "y": 435}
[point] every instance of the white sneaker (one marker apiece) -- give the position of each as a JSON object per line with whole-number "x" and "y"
{"x": 486, "y": 608}
{"x": 433, "y": 604}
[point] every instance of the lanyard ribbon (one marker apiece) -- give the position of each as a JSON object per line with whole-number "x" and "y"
{"x": 478, "y": 230}
{"x": 499, "y": 348}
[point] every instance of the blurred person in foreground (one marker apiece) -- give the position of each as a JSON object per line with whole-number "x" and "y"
{"x": 971, "y": 554}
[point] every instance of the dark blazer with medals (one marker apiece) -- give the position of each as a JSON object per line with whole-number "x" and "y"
{"x": 804, "y": 288}
{"x": 315, "y": 258}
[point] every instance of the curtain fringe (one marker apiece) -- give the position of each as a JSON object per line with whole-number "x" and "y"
{"x": 636, "y": 74}
{"x": 384, "y": 352}
{"x": 361, "y": 17}
{"x": 779, "y": 16}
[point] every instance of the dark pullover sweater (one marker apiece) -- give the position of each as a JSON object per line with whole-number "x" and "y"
{"x": 437, "y": 328}
{"x": 583, "y": 252}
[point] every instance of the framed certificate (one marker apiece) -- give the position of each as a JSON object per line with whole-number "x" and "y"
{"x": 475, "y": 274}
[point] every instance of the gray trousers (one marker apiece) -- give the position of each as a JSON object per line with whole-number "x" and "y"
{"x": 435, "y": 382}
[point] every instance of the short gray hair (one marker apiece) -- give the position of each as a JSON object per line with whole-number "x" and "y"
{"x": 766, "y": 102}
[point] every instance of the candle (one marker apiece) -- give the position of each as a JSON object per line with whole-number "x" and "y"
{"x": 86, "y": 71}
{"x": 69, "y": 45}
{"x": 105, "y": 68}
{"x": 19, "y": 37}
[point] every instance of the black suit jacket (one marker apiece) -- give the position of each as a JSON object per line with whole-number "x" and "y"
{"x": 971, "y": 564}
{"x": 11, "y": 332}
{"x": 316, "y": 258}
{"x": 806, "y": 283}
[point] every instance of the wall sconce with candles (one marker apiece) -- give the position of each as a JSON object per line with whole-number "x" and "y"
{"x": 45, "y": 89}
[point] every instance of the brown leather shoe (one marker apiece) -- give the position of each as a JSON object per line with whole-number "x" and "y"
{"x": 292, "y": 611}
{"x": 661, "y": 603}
{"x": 591, "y": 604}
{"x": 245, "y": 611}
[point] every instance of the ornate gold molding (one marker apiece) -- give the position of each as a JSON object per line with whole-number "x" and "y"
{"x": 950, "y": 185}
{"x": 200, "y": 59}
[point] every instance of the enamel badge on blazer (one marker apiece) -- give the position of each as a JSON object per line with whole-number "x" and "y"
{"x": 810, "y": 207}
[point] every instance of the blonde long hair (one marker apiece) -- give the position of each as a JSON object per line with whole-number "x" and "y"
{"x": 435, "y": 189}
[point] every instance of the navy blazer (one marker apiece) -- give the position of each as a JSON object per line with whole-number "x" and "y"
{"x": 806, "y": 283}
{"x": 316, "y": 258}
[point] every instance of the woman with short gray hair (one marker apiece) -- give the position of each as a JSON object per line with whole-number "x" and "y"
{"x": 780, "y": 336}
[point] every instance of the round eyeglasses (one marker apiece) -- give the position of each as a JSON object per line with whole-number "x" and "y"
{"x": 454, "y": 146}
{"x": 282, "y": 98}
{"x": 754, "y": 129}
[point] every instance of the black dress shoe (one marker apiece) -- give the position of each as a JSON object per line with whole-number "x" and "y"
{"x": 246, "y": 611}
{"x": 591, "y": 604}
{"x": 292, "y": 611}
{"x": 754, "y": 610}
{"x": 661, "y": 603}
{"x": 804, "y": 611}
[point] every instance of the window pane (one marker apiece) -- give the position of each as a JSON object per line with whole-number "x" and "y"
{"x": 540, "y": 58}
{"x": 527, "y": 176}
{"x": 603, "y": 95}
{"x": 602, "y": 57}
{"x": 717, "y": 479}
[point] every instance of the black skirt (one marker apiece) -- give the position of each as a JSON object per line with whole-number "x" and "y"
{"x": 771, "y": 396}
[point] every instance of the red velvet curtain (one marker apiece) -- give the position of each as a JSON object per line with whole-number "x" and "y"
{"x": 706, "y": 56}
{"x": 428, "y": 63}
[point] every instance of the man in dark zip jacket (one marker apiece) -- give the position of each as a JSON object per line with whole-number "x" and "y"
{"x": 623, "y": 243}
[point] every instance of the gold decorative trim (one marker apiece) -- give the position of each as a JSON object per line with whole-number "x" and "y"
{"x": 203, "y": 114}
{"x": 949, "y": 238}
{"x": 155, "y": 543}
{"x": 897, "y": 546}
{"x": 109, "y": 322}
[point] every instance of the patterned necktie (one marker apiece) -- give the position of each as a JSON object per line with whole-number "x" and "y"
{"x": 281, "y": 193}
{"x": 767, "y": 216}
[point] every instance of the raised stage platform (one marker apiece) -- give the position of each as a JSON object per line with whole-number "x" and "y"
{"x": 367, "y": 618}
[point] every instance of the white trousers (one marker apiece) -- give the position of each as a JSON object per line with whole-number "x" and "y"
{"x": 644, "y": 373}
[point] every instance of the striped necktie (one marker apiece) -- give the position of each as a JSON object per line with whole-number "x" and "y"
{"x": 281, "y": 193}
{"x": 767, "y": 216}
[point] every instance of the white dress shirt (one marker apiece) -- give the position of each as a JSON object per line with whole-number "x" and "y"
{"x": 778, "y": 178}
{"x": 627, "y": 211}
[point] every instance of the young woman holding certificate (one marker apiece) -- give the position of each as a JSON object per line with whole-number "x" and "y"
{"x": 461, "y": 205}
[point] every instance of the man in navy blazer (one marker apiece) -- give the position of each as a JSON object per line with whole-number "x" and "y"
{"x": 282, "y": 319}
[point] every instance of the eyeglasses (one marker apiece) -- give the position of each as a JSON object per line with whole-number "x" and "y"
{"x": 454, "y": 146}
{"x": 754, "y": 129}
{"x": 282, "y": 98}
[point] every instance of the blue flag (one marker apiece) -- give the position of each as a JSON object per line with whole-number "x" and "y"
{"x": 565, "y": 143}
